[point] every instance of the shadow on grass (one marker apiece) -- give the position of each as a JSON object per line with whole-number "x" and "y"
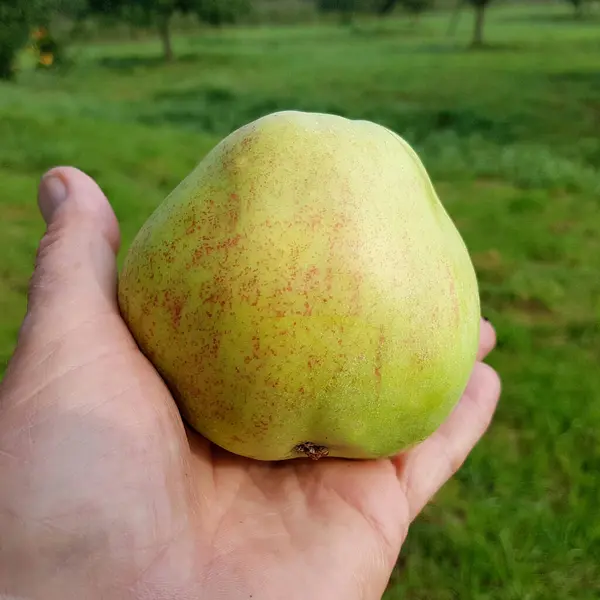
{"x": 566, "y": 18}
{"x": 457, "y": 47}
{"x": 491, "y": 47}
{"x": 588, "y": 79}
{"x": 406, "y": 30}
{"x": 130, "y": 63}
{"x": 219, "y": 110}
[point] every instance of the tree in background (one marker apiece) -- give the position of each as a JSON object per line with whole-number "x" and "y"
{"x": 479, "y": 6}
{"x": 478, "y": 30}
{"x": 48, "y": 48}
{"x": 579, "y": 7}
{"x": 417, "y": 7}
{"x": 15, "y": 23}
{"x": 19, "y": 19}
{"x": 221, "y": 12}
{"x": 159, "y": 13}
{"x": 414, "y": 7}
{"x": 345, "y": 8}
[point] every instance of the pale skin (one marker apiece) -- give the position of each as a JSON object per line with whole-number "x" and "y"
{"x": 106, "y": 494}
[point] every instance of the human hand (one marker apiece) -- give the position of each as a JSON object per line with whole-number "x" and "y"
{"x": 106, "y": 494}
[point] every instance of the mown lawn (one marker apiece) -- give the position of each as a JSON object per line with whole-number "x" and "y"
{"x": 511, "y": 137}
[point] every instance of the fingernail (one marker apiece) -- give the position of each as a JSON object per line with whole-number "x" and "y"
{"x": 52, "y": 193}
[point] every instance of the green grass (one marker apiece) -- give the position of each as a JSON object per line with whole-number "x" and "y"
{"x": 511, "y": 137}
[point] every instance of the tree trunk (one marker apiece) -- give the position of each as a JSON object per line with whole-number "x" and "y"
{"x": 165, "y": 35}
{"x": 479, "y": 21}
{"x": 6, "y": 63}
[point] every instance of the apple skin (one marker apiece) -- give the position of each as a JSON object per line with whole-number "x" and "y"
{"x": 303, "y": 292}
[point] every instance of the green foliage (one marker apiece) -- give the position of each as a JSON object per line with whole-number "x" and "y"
{"x": 336, "y": 5}
{"x": 65, "y": 8}
{"x": 16, "y": 19}
{"x": 19, "y": 18}
{"x": 219, "y": 12}
{"x": 160, "y": 13}
{"x": 579, "y": 6}
{"x": 348, "y": 8}
{"x": 211, "y": 11}
{"x": 415, "y": 7}
{"x": 345, "y": 8}
{"x": 14, "y": 27}
{"x": 479, "y": 3}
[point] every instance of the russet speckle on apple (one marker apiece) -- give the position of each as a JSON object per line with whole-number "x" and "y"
{"x": 304, "y": 293}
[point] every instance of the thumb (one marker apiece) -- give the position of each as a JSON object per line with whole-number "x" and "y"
{"x": 74, "y": 280}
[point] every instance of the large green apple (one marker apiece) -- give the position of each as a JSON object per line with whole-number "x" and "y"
{"x": 303, "y": 292}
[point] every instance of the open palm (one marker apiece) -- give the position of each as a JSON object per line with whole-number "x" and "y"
{"x": 106, "y": 494}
